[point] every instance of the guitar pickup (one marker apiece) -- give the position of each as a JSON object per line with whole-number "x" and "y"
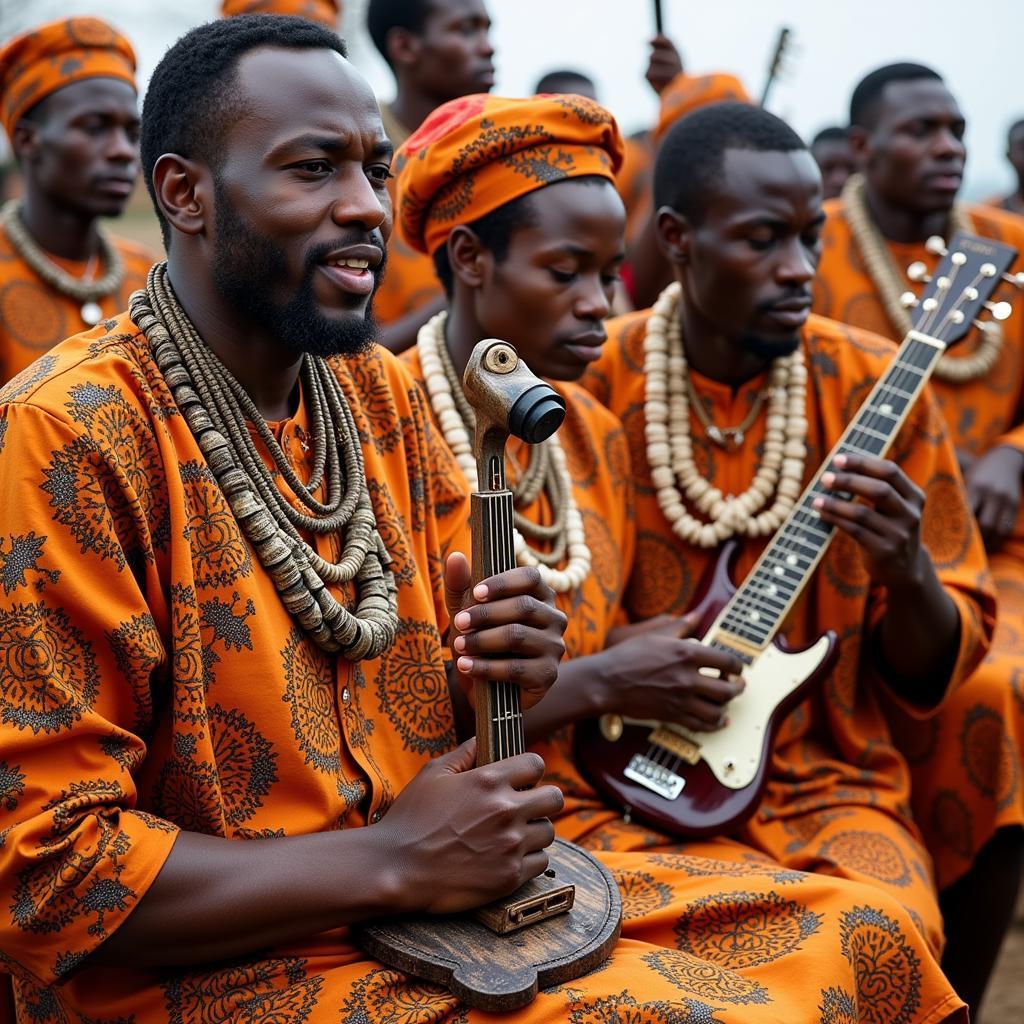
{"x": 676, "y": 744}
{"x": 654, "y": 777}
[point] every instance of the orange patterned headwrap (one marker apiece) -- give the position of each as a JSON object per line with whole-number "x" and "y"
{"x": 327, "y": 12}
{"x": 47, "y": 58}
{"x": 688, "y": 92}
{"x": 477, "y": 153}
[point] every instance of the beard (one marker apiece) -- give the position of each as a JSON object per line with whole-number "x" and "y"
{"x": 769, "y": 348}
{"x": 246, "y": 268}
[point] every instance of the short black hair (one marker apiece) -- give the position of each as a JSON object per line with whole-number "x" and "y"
{"x": 190, "y": 99}
{"x": 867, "y": 96}
{"x": 384, "y": 15}
{"x": 564, "y": 80}
{"x": 833, "y": 133}
{"x": 689, "y": 163}
{"x": 1014, "y": 128}
{"x": 495, "y": 231}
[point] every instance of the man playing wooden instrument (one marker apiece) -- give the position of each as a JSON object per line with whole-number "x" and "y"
{"x": 514, "y": 200}
{"x": 221, "y": 593}
{"x": 967, "y": 794}
{"x": 740, "y": 216}
{"x": 68, "y": 105}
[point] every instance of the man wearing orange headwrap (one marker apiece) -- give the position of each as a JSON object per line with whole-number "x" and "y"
{"x": 68, "y": 105}
{"x": 325, "y": 12}
{"x": 907, "y": 132}
{"x": 514, "y": 199}
{"x": 438, "y": 50}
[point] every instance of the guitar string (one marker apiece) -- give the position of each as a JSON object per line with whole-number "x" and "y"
{"x": 898, "y": 379}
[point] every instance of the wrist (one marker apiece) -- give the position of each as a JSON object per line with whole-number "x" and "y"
{"x": 385, "y": 883}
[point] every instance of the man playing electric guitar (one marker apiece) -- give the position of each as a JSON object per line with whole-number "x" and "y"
{"x": 739, "y": 217}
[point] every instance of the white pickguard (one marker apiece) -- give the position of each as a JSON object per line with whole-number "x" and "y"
{"x": 734, "y": 753}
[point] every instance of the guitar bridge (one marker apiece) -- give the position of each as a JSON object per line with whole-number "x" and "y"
{"x": 654, "y": 777}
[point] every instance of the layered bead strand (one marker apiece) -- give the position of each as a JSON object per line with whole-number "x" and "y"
{"x": 674, "y": 472}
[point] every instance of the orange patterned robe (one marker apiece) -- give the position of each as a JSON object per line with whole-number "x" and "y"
{"x": 34, "y": 317}
{"x": 837, "y": 797}
{"x": 966, "y": 762}
{"x": 635, "y": 181}
{"x": 186, "y": 698}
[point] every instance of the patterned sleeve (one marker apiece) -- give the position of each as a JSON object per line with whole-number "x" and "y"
{"x": 447, "y": 502}
{"x": 78, "y": 650}
{"x": 948, "y": 531}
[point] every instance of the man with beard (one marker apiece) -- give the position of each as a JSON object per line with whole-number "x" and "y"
{"x": 210, "y": 759}
{"x": 759, "y": 394}
{"x": 907, "y": 132}
{"x": 68, "y": 105}
{"x": 438, "y": 50}
{"x": 533, "y": 260}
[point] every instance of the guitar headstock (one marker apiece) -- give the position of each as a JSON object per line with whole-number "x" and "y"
{"x": 959, "y": 292}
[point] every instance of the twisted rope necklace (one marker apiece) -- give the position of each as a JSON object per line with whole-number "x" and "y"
{"x": 84, "y": 290}
{"x": 218, "y": 411}
{"x": 547, "y": 471}
{"x": 674, "y": 472}
{"x": 888, "y": 281}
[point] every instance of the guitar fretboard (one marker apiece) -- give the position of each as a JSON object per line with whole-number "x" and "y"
{"x": 760, "y": 605}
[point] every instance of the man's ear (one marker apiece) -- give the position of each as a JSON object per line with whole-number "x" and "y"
{"x": 403, "y": 48}
{"x": 25, "y": 140}
{"x": 184, "y": 193}
{"x": 860, "y": 143}
{"x": 470, "y": 260}
{"x": 674, "y": 235}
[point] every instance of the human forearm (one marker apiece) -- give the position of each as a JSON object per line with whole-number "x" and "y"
{"x": 217, "y": 898}
{"x": 580, "y": 692}
{"x": 919, "y": 636}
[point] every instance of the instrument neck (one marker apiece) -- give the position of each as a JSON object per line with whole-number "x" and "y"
{"x": 753, "y": 616}
{"x": 499, "y": 718}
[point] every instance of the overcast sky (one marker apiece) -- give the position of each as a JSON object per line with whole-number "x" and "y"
{"x": 978, "y": 47}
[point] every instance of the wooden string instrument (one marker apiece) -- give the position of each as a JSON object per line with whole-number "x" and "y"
{"x": 702, "y": 784}
{"x": 565, "y": 922}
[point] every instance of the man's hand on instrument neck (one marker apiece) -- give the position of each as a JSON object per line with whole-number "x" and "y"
{"x": 919, "y": 635}
{"x": 506, "y": 629}
{"x": 994, "y": 491}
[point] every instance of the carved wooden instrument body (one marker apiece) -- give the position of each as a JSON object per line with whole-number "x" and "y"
{"x": 566, "y": 922}
{"x": 701, "y": 784}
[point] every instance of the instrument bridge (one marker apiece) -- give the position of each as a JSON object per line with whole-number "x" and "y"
{"x": 655, "y": 777}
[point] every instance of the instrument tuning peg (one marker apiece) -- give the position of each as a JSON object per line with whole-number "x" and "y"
{"x": 999, "y": 310}
{"x": 918, "y": 271}
{"x": 936, "y": 245}
{"x": 908, "y": 300}
{"x": 1017, "y": 280}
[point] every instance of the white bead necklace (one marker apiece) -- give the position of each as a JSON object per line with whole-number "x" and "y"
{"x": 441, "y": 385}
{"x": 885, "y": 276}
{"x": 674, "y": 473}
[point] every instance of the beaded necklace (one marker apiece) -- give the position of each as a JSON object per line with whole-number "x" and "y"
{"x": 547, "y": 470}
{"x": 85, "y": 290}
{"x": 218, "y": 411}
{"x": 674, "y": 473}
{"x": 885, "y": 276}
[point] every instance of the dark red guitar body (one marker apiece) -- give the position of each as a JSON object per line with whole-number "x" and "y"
{"x": 705, "y": 807}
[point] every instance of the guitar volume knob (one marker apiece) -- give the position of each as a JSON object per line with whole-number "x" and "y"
{"x": 611, "y": 727}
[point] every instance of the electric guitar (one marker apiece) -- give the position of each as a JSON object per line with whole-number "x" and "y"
{"x": 702, "y": 784}
{"x": 565, "y": 922}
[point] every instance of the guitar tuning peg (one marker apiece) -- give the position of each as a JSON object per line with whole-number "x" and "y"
{"x": 918, "y": 271}
{"x": 999, "y": 310}
{"x": 936, "y": 245}
{"x": 908, "y": 300}
{"x": 1017, "y": 280}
